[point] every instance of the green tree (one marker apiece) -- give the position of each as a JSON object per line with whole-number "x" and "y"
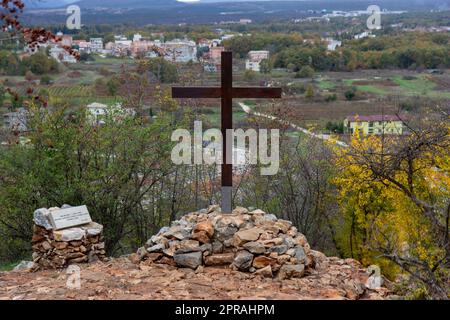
{"x": 161, "y": 70}
{"x": 113, "y": 86}
{"x": 309, "y": 91}
{"x": 114, "y": 172}
{"x": 350, "y": 94}
{"x": 306, "y": 72}
{"x": 46, "y": 80}
{"x": 266, "y": 66}
{"x": 2, "y": 96}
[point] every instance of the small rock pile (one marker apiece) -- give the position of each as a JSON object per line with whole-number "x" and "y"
{"x": 57, "y": 249}
{"x": 249, "y": 241}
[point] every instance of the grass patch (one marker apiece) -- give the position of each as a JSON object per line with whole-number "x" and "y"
{"x": 214, "y": 117}
{"x": 326, "y": 84}
{"x": 372, "y": 89}
{"x": 8, "y": 266}
{"x": 250, "y": 103}
{"x": 419, "y": 85}
{"x": 111, "y": 60}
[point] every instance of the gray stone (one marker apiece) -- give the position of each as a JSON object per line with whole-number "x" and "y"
{"x": 257, "y": 211}
{"x": 291, "y": 271}
{"x": 224, "y": 233}
{"x": 189, "y": 244}
{"x": 24, "y": 266}
{"x": 72, "y": 234}
{"x": 279, "y": 249}
{"x": 255, "y": 247}
{"x": 41, "y": 218}
{"x": 299, "y": 254}
{"x": 178, "y": 232}
{"x": 156, "y": 248}
{"x": 162, "y": 231}
{"x": 217, "y": 247}
{"x": 93, "y": 229}
{"x": 243, "y": 260}
{"x": 270, "y": 217}
{"x": 206, "y": 247}
{"x": 190, "y": 260}
{"x": 141, "y": 252}
{"x": 289, "y": 242}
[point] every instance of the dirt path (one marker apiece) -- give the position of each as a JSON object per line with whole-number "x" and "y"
{"x": 325, "y": 137}
{"x": 121, "y": 279}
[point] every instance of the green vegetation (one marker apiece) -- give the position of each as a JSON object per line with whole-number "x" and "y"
{"x": 38, "y": 63}
{"x": 8, "y": 266}
{"x": 305, "y": 72}
{"x": 326, "y": 84}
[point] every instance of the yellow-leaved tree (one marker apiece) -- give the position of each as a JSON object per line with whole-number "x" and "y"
{"x": 394, "y": 194}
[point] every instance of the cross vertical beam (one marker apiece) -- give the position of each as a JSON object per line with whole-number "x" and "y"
{"x": 226, "y": 93}
{"x": 227, "y": 123}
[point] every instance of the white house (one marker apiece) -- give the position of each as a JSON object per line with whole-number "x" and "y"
{"x": 96, "y": 45}
{"x": 255, "y": 58}
{"x": 137, "y": 37}
{"x": 332, "y": 44}
{"x": 16, "y": 120}
{"x": 97, "y": 112}
{"x": 180, "y": 50}
{"x": 62, "y": 55}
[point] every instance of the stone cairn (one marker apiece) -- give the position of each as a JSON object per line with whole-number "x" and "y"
{"x": 248, "y": 241}
{"x": 57, "y": 249}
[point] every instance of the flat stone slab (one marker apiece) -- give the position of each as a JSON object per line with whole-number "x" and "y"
{"x": 69, "y": 217}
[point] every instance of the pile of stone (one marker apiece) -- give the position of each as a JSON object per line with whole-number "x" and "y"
{"x": 54, "y": 249}
{"x": 249, "y": 241}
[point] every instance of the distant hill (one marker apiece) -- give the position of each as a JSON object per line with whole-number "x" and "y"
{"x": 143, "y": 12}
{"x": 47, "y": 3}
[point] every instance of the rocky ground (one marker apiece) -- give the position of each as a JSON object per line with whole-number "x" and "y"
{"x": 121, "y": 279}
{"x": 204, "y": 255}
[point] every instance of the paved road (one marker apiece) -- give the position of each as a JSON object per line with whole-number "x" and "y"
{"x": 325, "y": 137}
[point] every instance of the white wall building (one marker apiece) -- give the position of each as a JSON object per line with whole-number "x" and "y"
{"x": 96, "y": 45}
{"x": 16, "y": 120}
{"x": 137, "y": 37}
{"x": 61, "y": 55}
{"x": 98, "y": 112}
{"x": 180, "y": 50}
{"x": 332, "y": 44}
{"x": 255, "y": 58}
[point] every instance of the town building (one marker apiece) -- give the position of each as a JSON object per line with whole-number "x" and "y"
{"x": 62, "y": 55}
{"x": 96, "y": 45}
{"x": 16, "y": 120}
{"x": 82, "y": 46}
{"x": 254, "y": 60}
{"x": 245, "y": 21}
{"x": 137, "y": 37}
{"x": 332, "y": 44}
{"x": 375, "y": 124}
{"x": 97, "y": 113}
{"x": 180, "y": 50}
{"x": 67, "y": 40}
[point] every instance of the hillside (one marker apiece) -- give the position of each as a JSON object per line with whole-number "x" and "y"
{"x": 141, "y": 12}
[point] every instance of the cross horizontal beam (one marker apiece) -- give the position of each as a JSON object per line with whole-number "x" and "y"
{"x": 216, "y": 92}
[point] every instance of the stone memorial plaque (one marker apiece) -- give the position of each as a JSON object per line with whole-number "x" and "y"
{"x": 70, "y": 217}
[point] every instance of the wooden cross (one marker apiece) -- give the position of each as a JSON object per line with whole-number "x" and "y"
{"x": 226, "y": 92}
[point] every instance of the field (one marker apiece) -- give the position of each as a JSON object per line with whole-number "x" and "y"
{"x": 376, "y": 91}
